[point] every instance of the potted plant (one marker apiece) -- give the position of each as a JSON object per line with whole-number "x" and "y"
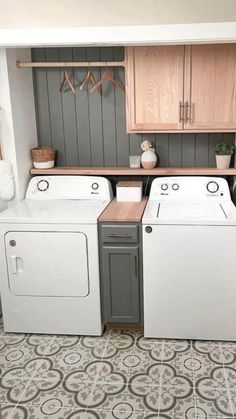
{"x": 223, "y": 153}
{"x": 43, "y": 157}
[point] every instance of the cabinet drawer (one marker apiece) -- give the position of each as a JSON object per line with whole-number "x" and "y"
{"x": 119, "y": 233}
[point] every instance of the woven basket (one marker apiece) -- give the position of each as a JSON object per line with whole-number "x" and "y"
{"x": 43, "y": 154}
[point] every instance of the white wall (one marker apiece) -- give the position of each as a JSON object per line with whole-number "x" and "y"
{"x": 17, "y": 116}
{"x": 76, "y": 13}
{"x": 26, "y": 23}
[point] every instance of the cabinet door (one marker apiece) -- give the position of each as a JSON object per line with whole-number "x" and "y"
{"x": 210, "y": 87}
{"x": 154, "y": 88}
{"x": 120, "y": 284}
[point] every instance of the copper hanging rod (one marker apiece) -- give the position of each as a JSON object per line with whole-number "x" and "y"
{"x": 21, "y": 64}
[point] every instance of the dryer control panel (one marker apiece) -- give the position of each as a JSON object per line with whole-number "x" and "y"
{"x": 69, "y": 187}
{"x": 192, "y": 188}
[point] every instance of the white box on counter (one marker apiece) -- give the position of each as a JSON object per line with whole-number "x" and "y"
{"x": 129, "y": 191}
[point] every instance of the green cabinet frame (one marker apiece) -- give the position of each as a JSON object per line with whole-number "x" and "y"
{"x": 121, "y": 277}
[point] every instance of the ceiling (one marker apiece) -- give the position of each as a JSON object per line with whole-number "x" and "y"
{"x": 24, "y": 14}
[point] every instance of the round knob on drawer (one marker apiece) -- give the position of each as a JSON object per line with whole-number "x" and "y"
{"x": 148, "y": 229}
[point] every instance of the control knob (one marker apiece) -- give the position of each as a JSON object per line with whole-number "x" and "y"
{"x": 164, "y": 186}
{"x": 175, "y": 186}
{"x": 43, "y": 185}
{"x": 212, "y": 187}
{"x": 148, "y": 229}
{"x": 95, "y": 186}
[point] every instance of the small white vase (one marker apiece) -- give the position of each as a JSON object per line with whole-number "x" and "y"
{"x": 149, "y": 159}
{"x": 223, "y": 161}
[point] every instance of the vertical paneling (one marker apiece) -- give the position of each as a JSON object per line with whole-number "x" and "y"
{"x": 122, "y": 138}
{"x": 89, "y": 130}
{"x": 188, "y": 150}
{"x": 69, "y": 114}
{"x": 82, "y": 110}
{"x": 41, "y": 99}
{"x": 175, "y": 150}
{"x": 162, "y": 149}
{"x": 108, "y": 113}
{"x": 201, "y": 149}
{"x": 55, "y": 106}
{"x": 95, "y": 115}
{"x": 135, "y": 141}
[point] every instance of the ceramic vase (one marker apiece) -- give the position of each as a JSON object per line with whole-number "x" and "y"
{"x": 149, "y": 159}
{"x": 223, "y": 161}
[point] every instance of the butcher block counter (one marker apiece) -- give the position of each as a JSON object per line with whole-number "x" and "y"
{"x": 128, "y": 212}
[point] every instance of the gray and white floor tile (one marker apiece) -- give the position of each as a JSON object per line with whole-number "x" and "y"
{"x": 120, "y": 375}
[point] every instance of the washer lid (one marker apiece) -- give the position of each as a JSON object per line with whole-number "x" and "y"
{"x": 191, "y": 210}
{"x": 216, "y": 213}
{"x": 55, "y": 211}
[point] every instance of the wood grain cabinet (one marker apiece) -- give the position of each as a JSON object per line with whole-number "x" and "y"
{"x": 181, "y": 88}
{"x": 121, "y": 272}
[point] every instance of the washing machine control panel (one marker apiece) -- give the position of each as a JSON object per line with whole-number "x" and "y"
{"x": 190, "y": 188}
{"x": 68, "y": 187}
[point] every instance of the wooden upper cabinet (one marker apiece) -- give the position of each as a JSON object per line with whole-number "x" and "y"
{"x": 181, "y": 88}
{"x": 210, "y": 87}
{"x": 154, "y": 87}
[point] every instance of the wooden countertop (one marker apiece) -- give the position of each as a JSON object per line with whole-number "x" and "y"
{"x": 124, "y": 211}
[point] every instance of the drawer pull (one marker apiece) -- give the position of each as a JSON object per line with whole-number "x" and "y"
{"x": 119, "y": 236}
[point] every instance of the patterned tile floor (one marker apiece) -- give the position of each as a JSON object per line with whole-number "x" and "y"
{"x": 120, "y": 375}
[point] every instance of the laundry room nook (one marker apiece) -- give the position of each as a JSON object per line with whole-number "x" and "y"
{"x": 118, "y": 210}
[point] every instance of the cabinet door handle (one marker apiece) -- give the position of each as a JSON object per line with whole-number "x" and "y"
{"x": 135, "y": 266}
{"x": 187, "y": 112}
{"x": 120, "y": 236}
{"x": 181, "y": 112}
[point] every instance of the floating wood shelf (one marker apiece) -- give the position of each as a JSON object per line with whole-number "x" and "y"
{"x": 126, "y": 171}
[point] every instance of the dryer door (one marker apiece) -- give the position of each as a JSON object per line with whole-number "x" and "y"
{"x": 47, "y": 263}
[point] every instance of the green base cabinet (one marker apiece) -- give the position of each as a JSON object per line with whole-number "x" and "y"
{"x": 121, "y": 273}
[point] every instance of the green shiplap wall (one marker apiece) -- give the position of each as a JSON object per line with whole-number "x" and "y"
{"x": 89, "y": 130}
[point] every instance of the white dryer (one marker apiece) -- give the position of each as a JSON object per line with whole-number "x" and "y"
{"x": 49, "y": 256}
{"x": 189, "y": 245}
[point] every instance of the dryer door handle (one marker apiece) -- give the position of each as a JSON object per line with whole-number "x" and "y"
{"x": 16, "y": 264}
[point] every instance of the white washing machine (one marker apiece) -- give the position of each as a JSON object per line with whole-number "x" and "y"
{"x": 189, "y": 248}
{"x": 49, "y": 263}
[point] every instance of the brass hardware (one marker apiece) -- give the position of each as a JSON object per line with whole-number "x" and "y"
{"x": 187, "y": 112}
{"x": 181, "y": 112}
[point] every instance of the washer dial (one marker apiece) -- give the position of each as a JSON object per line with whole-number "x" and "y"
{"x": 95, "y": 186}
{"x": 164, "y": 186}
{"x": 175, "y": 186}
{"x": 42, "y": 185}
{"x": 212, "y": 187}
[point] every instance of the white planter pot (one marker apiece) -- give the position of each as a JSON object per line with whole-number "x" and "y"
{"x": 223, "y": 162}
{"x": 149, "y": 159}
{"x": 44, "y": 165}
